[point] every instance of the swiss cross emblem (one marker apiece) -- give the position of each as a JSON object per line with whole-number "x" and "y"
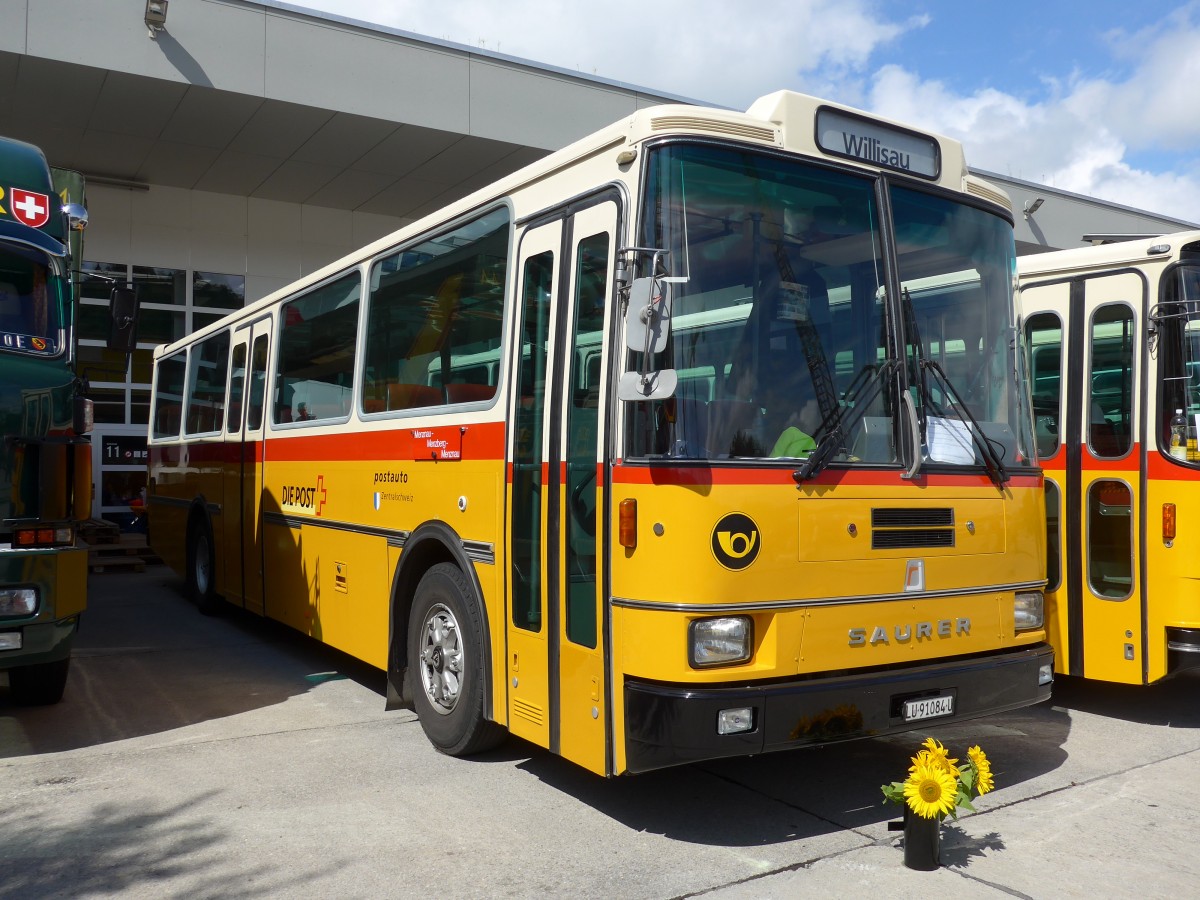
{"x": 30, "y": 207}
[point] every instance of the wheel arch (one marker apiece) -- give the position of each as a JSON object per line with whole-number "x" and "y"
{"x": 429, "y": 544}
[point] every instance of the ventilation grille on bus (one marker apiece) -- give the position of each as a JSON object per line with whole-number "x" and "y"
{"x": 735, "y": 129}
{"x": 910, "y": 529}
{"x": 531, "y": 712}
{"x": 986, "y": 191}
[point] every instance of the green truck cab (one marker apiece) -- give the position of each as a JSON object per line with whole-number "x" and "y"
{"x": 45, "y": 421}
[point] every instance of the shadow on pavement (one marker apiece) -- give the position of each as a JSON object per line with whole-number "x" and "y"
{"x": 1171, "y": 702}
{"x": 125, "y": 848}
{"x": 146, "y": 661}
{"x": 803, "y": 793}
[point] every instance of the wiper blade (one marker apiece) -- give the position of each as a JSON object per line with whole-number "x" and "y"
{"x": 991, "y": 459}
{"x": 843, "y": 420}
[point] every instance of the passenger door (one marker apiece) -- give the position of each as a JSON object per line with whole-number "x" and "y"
{"x": 243, "y": 494}
{"x": 1093, "y": 476}
{"x": 557, "y": 693}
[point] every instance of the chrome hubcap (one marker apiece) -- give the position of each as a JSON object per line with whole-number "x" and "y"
{"x": 441, "y": 663}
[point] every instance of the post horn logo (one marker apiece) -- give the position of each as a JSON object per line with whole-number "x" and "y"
{"x": 736, "y": 541}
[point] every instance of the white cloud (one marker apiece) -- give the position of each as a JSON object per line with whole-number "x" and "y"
{"x": 703, "y": 49}
{"x": 1080, "y": 133}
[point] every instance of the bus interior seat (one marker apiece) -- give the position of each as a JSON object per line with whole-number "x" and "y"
{"x": 410, "y": 396}
{"x": 1104, "y": 439}
{"x": 469, "y": 393}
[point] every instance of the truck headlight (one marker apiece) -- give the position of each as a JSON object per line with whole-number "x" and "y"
{"x": 1029, "y": 610}
{"x": 720, "y": 642}
{"x": 18, "y": 602}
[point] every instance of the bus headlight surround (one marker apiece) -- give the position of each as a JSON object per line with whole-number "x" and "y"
{"x": 721, "y": 641}
{"x": 1029, "y": 610}
{"x": 18, "y": 602}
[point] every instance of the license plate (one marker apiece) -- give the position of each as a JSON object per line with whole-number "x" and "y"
{"x": 928, "y": 708}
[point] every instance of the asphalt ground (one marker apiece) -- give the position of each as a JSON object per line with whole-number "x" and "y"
{"x": 230, "y": 757}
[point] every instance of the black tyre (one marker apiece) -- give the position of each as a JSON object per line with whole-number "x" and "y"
{"x": 39, "y": 685}
{"x": 445, "y": 663}
{"x": 201, "y": 565}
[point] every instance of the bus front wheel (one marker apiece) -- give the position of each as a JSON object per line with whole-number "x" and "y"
{"x": 200, "y": 570}
{"x": 445, "y": 657}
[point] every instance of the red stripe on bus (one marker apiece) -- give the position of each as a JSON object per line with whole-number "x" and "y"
{"x": 477, "y": 441}
{"x": 704, "y": 476}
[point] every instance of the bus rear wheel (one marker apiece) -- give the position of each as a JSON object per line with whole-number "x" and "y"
{"x": 39, "y": 685}
{"x": 445, "y": 655}
{"x": 200, "y": 569}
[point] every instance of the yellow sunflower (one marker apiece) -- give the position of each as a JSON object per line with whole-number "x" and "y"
{"x": 939, "y": 755}
{"x": 930, "y": 791}
{"x": 983, "y": 780}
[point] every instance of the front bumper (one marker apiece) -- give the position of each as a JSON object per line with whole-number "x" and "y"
{"x": 60, "y": 577}
{"x": 670, "y": 725}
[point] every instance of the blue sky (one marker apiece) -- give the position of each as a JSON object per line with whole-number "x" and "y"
{"x": 1101, "y": 98}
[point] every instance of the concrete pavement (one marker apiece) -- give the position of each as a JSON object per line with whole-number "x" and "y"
{"x": 230, "y": 757}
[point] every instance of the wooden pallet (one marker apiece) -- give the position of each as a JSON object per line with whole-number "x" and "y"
{"x": 128, "y": 552}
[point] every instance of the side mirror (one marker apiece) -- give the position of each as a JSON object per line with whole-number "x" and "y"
{"x": 122, "y": 335}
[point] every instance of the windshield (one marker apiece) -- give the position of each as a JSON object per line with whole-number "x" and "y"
{"x": 30, "y": 314}
{"x": 777, "y": 321}
{"x": 955, "y": 265}
{"x": 1178, "y": 317}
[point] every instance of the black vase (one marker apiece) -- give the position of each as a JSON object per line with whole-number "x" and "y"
{"x": 922, "y": 841}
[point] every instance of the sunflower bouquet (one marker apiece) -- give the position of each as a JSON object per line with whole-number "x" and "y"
{"x": 937, "y": 785}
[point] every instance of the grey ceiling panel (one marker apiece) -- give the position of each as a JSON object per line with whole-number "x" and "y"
{"x": 351, "y": 189}
{"x": 138, "y": 106}
{"x": 279, "y": 129}
{"x": 345, "y": 139}
{"x": 59, "y": 141}
{"x": 210, "y": 118}
{"x": 67, "y": 92}
{"x": 296, "y": 181}
{"x": 237, "y": 173}
{"x": 176, "y": 165}
{"x": 403, "y": 196}
{"x": 405, "y": 149}
{"x": 104, "y": 153}
{"x": 462, "y": 159}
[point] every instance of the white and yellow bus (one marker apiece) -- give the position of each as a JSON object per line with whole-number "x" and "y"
{"x": 1114, "y": 338}
{"x": 704, "y": 436}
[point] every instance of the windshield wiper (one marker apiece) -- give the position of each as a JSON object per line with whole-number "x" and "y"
{"x": 842, "y": 420}
{"x": 991, "y": 458}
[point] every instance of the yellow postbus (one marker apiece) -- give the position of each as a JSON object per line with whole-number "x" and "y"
{"x": 704, "y": 436}
{"x": 1113, "y": 333}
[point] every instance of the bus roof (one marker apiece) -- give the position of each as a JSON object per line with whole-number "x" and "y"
{"x": 781, "y": 120}
{"x": 1152, "y": 248}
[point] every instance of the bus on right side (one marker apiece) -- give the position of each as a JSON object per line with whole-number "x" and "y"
{"x": 1112, "y": 333}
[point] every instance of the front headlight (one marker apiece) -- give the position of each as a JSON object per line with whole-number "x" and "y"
{"x": 720, "y": 642}
{"x": 18, "y": 602}
{"x": 1029, "y": 610}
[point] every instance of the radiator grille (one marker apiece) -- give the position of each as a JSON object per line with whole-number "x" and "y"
{"x": 925, "y": 517}
{"x": 912, "y": 528}
{"x": 912, "y": 538}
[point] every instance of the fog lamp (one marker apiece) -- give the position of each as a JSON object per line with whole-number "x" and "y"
{"x": 720, "y": 642}
{"x": 735, "y": 721}
{"x": 1045, "y": 674}
{"x": 1028, "y": 610}
{"x": 16, "y": 602}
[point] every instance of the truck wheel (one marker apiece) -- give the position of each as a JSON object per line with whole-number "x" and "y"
{"x": 39, "y": 685}
{"x": 201, "y": 563}
{"x": 445, "y": 661}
